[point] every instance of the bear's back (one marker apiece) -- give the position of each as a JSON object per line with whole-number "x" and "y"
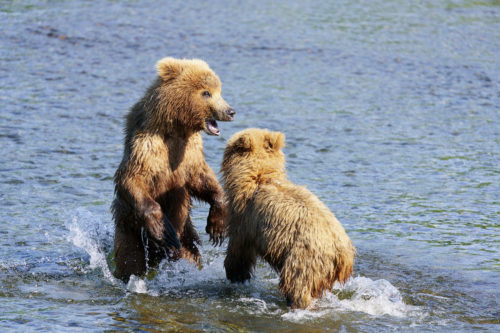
{"x": 289, "y": 214}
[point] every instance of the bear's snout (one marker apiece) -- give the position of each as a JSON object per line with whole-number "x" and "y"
{"x": 221, "y": 110}
{"x": 224, "y": 114}
{"x": 230, "y": 113}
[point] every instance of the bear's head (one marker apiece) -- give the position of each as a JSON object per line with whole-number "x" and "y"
{"x": 257, "y": 147}
{"x": 190, "y": 93}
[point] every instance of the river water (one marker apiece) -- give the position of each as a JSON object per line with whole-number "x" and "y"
{"x": 392, "y": 115}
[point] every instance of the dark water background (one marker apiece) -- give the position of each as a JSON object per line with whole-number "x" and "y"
{"x": 391, "y": 111}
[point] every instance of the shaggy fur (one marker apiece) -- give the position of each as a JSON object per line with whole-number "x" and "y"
{"x": 288, "y": 226}
{"x": 163, "y": 166}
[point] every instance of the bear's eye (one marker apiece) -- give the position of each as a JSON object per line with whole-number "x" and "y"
{"x": 206, "y": 93}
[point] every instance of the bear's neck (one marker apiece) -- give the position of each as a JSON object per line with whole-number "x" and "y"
{"x": 170, "y": 129}
{"x": 243, "y": 182}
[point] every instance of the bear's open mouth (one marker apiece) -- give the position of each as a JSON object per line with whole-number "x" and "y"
{"x": 211, "y": 127}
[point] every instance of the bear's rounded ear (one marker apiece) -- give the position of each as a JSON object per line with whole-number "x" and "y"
{"x": 244, "y": 142}
{"x": 275, "y": 141}
{"x": 279, "y": 140}
{"x": 169, "y": 68}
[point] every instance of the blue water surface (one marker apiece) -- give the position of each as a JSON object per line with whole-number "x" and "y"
{"x": 391, "y": 111}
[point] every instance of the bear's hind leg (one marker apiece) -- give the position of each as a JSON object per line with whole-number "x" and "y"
{"x": 296, "y": 282}
{"x": 297, "y": 297}
{"x": 130, "y": 255}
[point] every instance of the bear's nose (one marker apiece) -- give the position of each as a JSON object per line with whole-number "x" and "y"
{"x": 230, "y": 112}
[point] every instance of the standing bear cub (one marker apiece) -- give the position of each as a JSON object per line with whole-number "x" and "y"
{"x": 285, "y": 224}
{"x": 163, "y": 166}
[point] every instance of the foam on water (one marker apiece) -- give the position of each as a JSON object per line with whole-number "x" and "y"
{"x": 137, "y": 285}
{"x": 360, "y": 294}
{"x": 256, "y": 306}
{"x": 258, "y": 297}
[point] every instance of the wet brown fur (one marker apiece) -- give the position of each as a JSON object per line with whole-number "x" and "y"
{"x": 163, "y": 166}
{"x": 285, "y": 224}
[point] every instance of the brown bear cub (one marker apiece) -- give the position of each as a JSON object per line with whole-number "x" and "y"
{"x": 163, "y": 166}
{"x": 285, "y": 224}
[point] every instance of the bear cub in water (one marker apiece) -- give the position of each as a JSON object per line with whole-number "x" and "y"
{"x": 163, "y": 166}
{"x": 285, "y": 224}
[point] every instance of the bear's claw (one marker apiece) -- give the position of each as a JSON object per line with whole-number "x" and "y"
{"x": 216, "y": 237}
{"x": 215, "y": 224}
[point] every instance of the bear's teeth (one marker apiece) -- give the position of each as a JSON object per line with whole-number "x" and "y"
{"x": 212, "y": 127}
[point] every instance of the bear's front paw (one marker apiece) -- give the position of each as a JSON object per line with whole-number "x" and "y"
{"x": 215, "y": 225}
{"x": 159, "y": 226}
{"x": 153, "y": 219}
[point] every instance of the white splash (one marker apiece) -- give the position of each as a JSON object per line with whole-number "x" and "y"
{"x": 137, "y": 285}
{"x": 376, "y": 298}
{"x": 259, "y": 296}
{"x": 88, "y": 234}
{"x": 186, "y": 277}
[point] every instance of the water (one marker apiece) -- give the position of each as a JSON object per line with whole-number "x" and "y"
{"x": 391, "y": 112}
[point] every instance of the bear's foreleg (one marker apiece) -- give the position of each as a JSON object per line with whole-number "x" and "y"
{"x": 146, "y": 211}
{"x": 159, "y": 225}
{"x": 240, "y": 261}
{"x": 205, "y": 186}
{"x": 190, "y": 240}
